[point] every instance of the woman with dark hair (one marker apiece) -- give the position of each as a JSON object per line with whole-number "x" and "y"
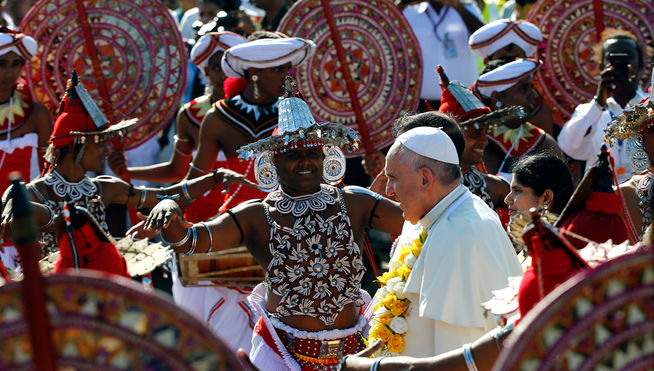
{"x": 540, "y": 180}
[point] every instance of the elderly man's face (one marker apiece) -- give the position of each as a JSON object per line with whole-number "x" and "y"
{"x": 404, "y": 185}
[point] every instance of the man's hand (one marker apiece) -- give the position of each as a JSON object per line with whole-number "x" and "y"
{"x": 231, "y": 178}
{"x": 373, "y": 163}
{"x": 613, "y": 84}
{"x": 117, "y": 162}
{"x": 164, "y": 215}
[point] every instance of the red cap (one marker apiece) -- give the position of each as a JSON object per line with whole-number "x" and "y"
{"x": 450, "y": 105}
{"x": 72, "y": 118}
{"x": 233, "y": 86}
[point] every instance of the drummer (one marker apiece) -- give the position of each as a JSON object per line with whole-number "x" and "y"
{"x": 77, "y": 145}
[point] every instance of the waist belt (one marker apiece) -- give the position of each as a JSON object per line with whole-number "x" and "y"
{"x": 327, "y": 351}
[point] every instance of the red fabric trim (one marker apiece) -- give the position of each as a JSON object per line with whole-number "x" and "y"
{"x": 215, "y": 308}
{"x": 262, "y": 330}
{"x": 537, "y": 136}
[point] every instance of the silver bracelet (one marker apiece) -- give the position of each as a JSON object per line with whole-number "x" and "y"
{"x": 194, "y": 241}
{"x": 375, "y": 365}
{"x": 192, "y": 166}
{"x": 51, "y": 220}
{"x": 467, "y": 355}
{"x": 142, "y": 199}
{"x": 210, "y": 236}
{"x": 178, "y": 243}
{"x": 185, "y": 190}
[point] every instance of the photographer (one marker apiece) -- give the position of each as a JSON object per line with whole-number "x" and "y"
{"x": 622, "y": 59}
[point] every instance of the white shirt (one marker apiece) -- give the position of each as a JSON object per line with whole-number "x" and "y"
{"x": 583, "y": 135}
{"x": 465, "y": 257}
{"x": 463, "y": 67}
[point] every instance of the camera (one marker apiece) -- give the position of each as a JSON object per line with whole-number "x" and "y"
{"x": 620, "y": 63}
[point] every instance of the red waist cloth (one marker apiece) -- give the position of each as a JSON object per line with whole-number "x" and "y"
{"x": 239, "y": 193}
{"x": 19, "y": 160}
{"x": 90, "y": 252}
{"x": 600, "y": 220}
{"x": 208, "y": 205}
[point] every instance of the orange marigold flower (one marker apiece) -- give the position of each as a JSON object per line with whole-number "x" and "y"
{"x": 395, "y": 344}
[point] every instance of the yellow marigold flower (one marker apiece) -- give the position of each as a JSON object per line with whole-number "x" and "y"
{"x": 386, "y": 276}
{"x": 385, "y": 318}
{"x": 381, "y": 331}
{"x": 388, "y": 301}
{"x": 416, "y": 249}
{"x": 404, "y": 251}
{"x": 404, "y": 272}
{"x": 398, "y": 308}
{"x": 395, "y": 344}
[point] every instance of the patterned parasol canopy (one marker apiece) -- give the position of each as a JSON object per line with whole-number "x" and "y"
{"x": 129, "y": 54}
{"x": 381, "y": 53}
{"x": 104, "y": 322}
{"x": 571, "y": 72}
{"x": 600, "y": 319}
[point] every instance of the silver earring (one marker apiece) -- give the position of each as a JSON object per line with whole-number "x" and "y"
{"x": 498, "y": 104}
{"x": 255, "y": 80}
{"x": 637, "y": 156}
{"x": 333, "y": 168}
{"x": 265, "y": 172}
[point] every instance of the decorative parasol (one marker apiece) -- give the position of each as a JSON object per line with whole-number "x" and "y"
{"x": 600, "y": 319}
{"x": 110, "y": 323}
{"x": 384, "y": 69}
{"x": 570, "y": 30}
{"x": 129, "y": 54}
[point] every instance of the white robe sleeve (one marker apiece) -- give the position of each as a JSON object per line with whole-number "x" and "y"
{"x": 582, "y": 136}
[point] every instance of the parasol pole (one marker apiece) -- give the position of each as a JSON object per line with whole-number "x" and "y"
{"x": 354, "y": 99}
{"x": 25, "y": 237}
{"x": 92, "y": 51}
{"x": 598, "y": 11}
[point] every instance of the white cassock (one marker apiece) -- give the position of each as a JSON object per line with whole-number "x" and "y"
{"x": 466, "y": 256}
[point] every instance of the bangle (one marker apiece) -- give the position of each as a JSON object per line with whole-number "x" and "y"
{"x": 194, "y": 241}
{"x": 210, "y": 236}
{"x": 192, "y": 166}
{"x": 52, "y": 218}
{"x": 185, "y": 190}
{"x": 178, "y": 243}
{"x": 165, "y": 195}
{"x": 375, "y": 365}
{"x": 143, "y": 197}
{"x": 467, "y": 356}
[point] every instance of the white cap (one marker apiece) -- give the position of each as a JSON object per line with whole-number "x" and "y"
{"x": 506, "y": 76}
{"x": 430, "y": 142}
{"x": 212, "y": 43}
{"x": 266, "y": 53}
{"x": 499, "y": 34}
{"x": 17, "y": 42}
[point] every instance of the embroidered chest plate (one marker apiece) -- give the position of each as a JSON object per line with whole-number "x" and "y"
{"x": 476, "y": 183}
{"x": 519, "y": 141}
{"x": 253, "y": 120}
{"x": 316, "y": 266}
{"x": 15, "y": 112}
{"x": 196, "y": 109}
{"x": 85, "y": 194}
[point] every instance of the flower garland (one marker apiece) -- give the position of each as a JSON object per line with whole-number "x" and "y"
{"x": 388, "y": 321}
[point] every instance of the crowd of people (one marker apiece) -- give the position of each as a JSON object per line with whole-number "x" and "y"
{"x": 249, "y": 166}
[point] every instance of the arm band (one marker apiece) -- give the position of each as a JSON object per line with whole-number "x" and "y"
{"x": 372, "y": 212}
{"x": 237, "y": 224}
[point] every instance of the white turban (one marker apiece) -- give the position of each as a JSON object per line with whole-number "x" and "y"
{"x": 498, "y": 34}
{"x": 266, "y": 53}
{"x": 17, "y": 42}
{"x": 430, "y": 142}
{"x": 506, "y": 76}
{"x": 212, "y": 43}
